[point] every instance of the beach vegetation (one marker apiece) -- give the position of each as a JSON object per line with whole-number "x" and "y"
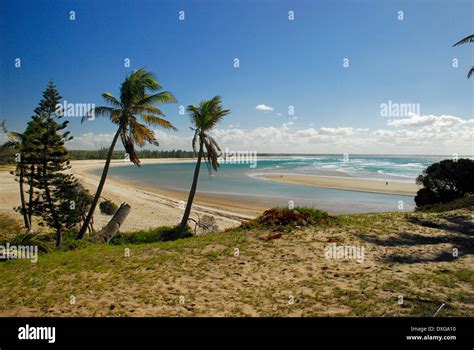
{"x": 464, "y": 202}
{"x": 204, "y": 118}
{"x": 134, "y": 101}
{"x": 206, "y": 270}
{"x": 9, "y": 227}
{"x": 285, "y": 219}
{"x": 108, "y": 207}
{"x": 158, "y": 234}
{"x": 445, "y": 181}
{"x": 42, "y": 164}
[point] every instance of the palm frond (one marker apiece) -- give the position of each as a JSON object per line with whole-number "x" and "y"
{"x": 147, "y": 79}
{"x": 109, "y": 98}
{"x": 159, "y": 98}
{"x": 208, "y": 114}
{"x": 212, "y": 154}
{"x": 129, "y": 147}
{"x": 146, "y": 109}
{"x": 471, "y": 71}
{"x": 98, "y": 112}
{"x": 153, "y": 120}
{"x": 141, "y": 134}
{"x": 467, "y": 39}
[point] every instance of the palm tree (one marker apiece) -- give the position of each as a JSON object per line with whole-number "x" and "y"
{"x": 134, "y": 100}
{"x": 467, "y": 39}
{"x": 15, "y": 143}
{"x": 204, "y": 118}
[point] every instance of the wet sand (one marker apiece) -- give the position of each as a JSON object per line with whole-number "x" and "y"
{"x": 339, "y": 183}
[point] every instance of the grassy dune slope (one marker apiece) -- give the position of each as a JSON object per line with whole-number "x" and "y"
{"x": 407, "y": 255}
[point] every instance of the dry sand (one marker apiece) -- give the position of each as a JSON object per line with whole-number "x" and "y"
{"x": 340, "y": 183}
{"x": 403, "y": 256}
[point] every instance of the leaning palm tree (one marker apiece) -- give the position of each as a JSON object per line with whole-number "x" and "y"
{"x": 204, "y": 118}
{"x": 467, "y": 39}
{"x": 133, "y": 101}
{"x": 15, "y": 143}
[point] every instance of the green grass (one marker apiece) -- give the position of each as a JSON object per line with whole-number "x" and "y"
{"x": 109, "y": 282}
{"x": 158, "y": 234}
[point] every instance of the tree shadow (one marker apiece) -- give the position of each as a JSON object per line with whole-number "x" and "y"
{"x": 454, "y": 223}
{"x": 458, "y": 232}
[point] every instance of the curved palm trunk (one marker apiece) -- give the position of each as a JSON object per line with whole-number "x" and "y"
{"x": 22, "y": 198}
{"x": 187, "y": 211}
{"x": 88, "y": 219}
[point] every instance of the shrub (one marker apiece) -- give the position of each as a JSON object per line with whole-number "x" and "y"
{"x": 445, "y": 181}
{"x": 205, "y": 224}
{"x": 460, "y": 203}
{"x": 9, "y": 227}
{"x": 284, "y": 219}
{"x": 108, "y": 207}
{"x": 70, "y": 241}
{"x": 159, "y": 234}
{"x": 29, "y": 238}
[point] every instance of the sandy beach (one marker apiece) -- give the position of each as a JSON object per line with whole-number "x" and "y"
{"x": 154, "y": 206}
{"x": 339, "y": 183}
{"x": 151, "y": 206}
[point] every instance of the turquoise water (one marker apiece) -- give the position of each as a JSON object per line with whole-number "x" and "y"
{"x": 239, "y": 179}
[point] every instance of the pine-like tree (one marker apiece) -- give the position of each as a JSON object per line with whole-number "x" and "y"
{"x": 54, "y": 194}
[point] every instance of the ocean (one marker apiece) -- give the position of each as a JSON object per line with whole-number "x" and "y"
{"x": 236, "y": 180}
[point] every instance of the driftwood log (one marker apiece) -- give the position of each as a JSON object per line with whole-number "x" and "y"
{"x": 107, "y": 233}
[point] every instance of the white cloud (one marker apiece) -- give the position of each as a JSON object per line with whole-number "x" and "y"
{"x": 90, "y": 141}
{"x": 167, "y": 141}
{"x": 428, "y": 120}
{"x": 443, "y": 135}
{"x": 264, "y": 108}
{"x": 336, "y": 131}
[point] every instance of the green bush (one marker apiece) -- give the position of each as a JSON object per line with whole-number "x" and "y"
{"x": 70, "y": 241}
{"x": 9, "y": 227}
{"x": 159, "y": 234}
{"x": 465, "y": 202}
{"x": 445, "y": 181}
{"x": 284, "y": 219}
{"x": 28, "y": 238}
{"x": 108, "y": 207}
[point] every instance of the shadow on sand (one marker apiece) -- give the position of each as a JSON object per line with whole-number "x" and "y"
{"x": 458, "y": 232}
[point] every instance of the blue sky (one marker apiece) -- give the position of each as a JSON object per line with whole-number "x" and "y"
{"x": 282, "y": 63}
